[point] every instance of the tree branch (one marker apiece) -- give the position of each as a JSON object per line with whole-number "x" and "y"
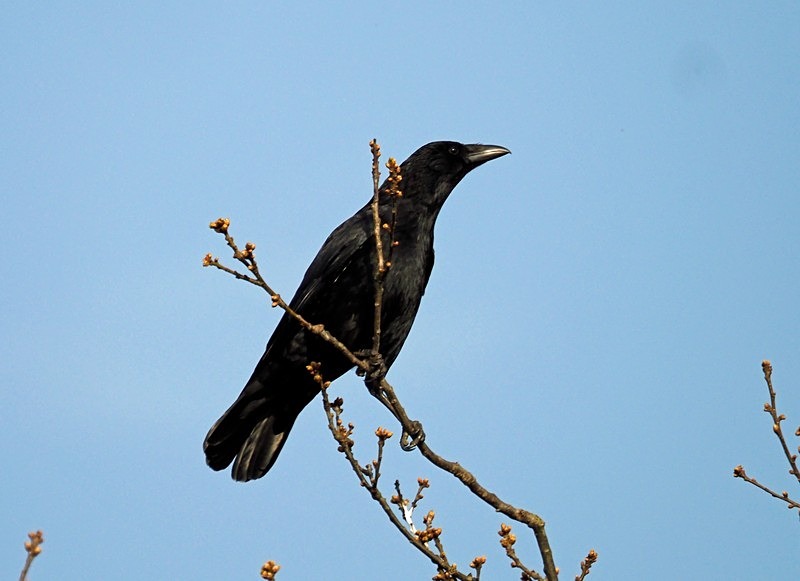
{"x": 368, "y": 476}
{"x": 771, "y": 408}
{"x": 380, "y": 264}
{"x": 777, "y": 419}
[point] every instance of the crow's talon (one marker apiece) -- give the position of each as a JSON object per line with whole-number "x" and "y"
{"x": 377, "y": 368}
{"x": 417, "y": 438}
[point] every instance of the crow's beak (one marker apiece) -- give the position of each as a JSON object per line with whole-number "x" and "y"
{"x": 478, "y": 154}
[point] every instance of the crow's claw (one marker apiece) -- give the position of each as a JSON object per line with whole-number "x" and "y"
{"x": 416, "y": 438}
{"x": 377, "y": 368}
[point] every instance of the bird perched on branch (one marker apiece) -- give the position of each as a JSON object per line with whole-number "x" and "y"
{"x": 338, "y": 291}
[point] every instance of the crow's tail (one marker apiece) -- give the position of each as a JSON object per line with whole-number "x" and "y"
{"x": 251, "y": 434}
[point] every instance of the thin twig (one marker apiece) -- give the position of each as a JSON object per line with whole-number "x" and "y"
{"x": 739, "y": 472}
{"x": 380, "y": 264}
{"x": 777, "y": 419}
{"x": 33, "y": 548}
{"x": 586, "y": 565}
{"x": 382, "y": 434}
{"x": 422, "y": 483}
{"x": 771, "y": 408}
{"x": 507, "y": 541}
{"x": 333, "y": 411}
{"x": 533, "y": 521}
{"x": 248, "y": 258}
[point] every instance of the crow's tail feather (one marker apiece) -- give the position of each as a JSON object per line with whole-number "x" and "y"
{"x": 251, "y": 434}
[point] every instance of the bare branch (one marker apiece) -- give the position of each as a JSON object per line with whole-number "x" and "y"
{"x": 382, "y": 434}
{"x": 333, "y": 411}
{"x": 777, "y": 419}
{"x": 771, "y": 408}
{"x": 249, "y": 261}
{"x": 739, "y": 472}
{"x": 380, "y": 264}
{"x": 533, "y": 521}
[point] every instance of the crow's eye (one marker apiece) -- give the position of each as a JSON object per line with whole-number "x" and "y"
{"x": 453, "y": 150}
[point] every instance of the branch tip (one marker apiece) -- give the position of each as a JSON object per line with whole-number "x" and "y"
{"x": 220, "y": 225}
{"x": 33, "y": 546}
{"x": 269, "y": 570}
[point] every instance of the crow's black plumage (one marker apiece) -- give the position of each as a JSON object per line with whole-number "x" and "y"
{"x": 338, "y": 291}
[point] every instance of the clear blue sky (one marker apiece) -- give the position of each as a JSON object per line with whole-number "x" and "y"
{"x": 591, "y": 338}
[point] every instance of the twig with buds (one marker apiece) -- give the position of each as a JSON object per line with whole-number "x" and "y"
{"x": 33, "y": 546}
{"x": 777, "y": 419}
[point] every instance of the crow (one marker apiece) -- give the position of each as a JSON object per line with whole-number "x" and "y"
{"x": 338, "y": 292}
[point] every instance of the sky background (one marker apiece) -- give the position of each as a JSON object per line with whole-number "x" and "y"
{"x": 590, "y": 341}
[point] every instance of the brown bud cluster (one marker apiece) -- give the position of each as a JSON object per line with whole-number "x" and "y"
{"x": 383, "y": 434}
{"x": 739, "y": 472}
{"x": 313, "y": 368}
{"x": 220, "y": 225}
{"x": 478, "y": 562}
{"x": 394, "y": 178}
{"x": 375, "y": 148}
{"x": 247, "y": 253}
{"x": 342, "y": 433}
{"x": 208, "y": 260}
{"x": 423, "y": 483}
{"x": 429, "y": 534}
{"x": 269, "y": 570}
{"x": 507, "y": 539}
{"x": 591, "y": 558}
{"x": 33, "y": 546}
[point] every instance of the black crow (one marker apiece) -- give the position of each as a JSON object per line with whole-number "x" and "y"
{"x": 338, "y": 292}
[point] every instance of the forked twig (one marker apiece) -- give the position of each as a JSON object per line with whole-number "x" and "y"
{"x": 777, "y": 419}
{"x": 368, "y": 476}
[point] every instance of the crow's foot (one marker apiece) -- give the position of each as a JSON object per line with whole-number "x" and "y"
{"x": 377, "y": 369}
{"x": 409, "y": 441}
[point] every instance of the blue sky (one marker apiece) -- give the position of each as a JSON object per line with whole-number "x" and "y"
{"x": 590, "y": 341}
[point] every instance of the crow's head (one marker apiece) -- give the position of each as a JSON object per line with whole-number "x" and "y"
{"x": 436, "y": 168}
